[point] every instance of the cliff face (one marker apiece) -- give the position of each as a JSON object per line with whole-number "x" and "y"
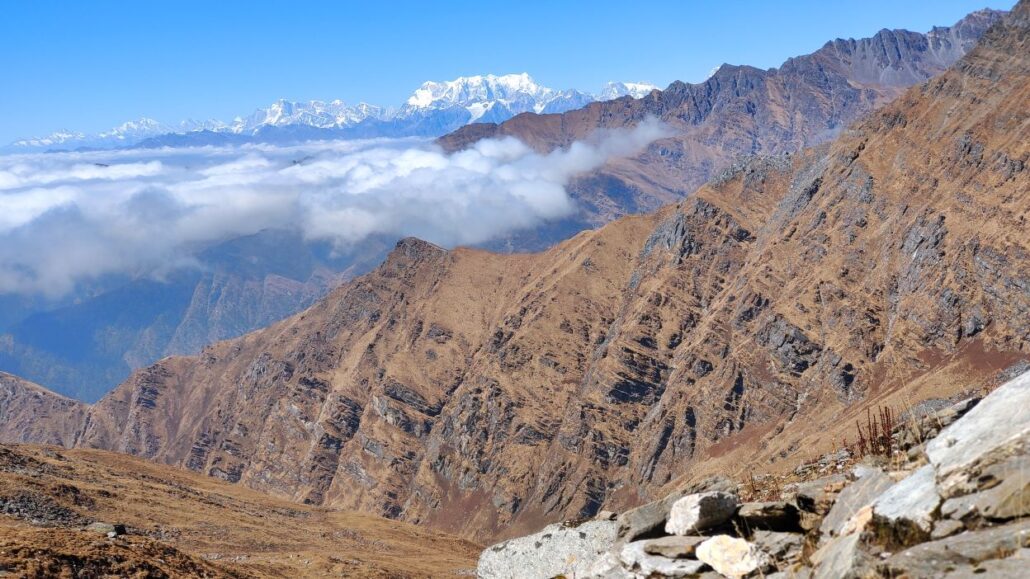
{"x": 740, "y": 110}
{"x": 749, "y": 325}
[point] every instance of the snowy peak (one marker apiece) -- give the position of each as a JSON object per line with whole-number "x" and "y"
{"x": 614, "y": 90}
{"x": 320, "y": 114}
{"x": 468, "y": 90}
{"x": 433, "y": 109}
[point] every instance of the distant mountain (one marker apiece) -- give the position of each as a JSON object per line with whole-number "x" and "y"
{"x": 81, "y": 349}
{"x": 124, "y": 135}
{"x": 738, "y": 110}
{"x": 434, "y": 109}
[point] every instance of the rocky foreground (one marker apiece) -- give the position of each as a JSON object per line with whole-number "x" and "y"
{"x": 945, "y": 494}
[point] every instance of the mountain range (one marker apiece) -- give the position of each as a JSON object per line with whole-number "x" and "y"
{"x": 434, "y": 109}
{"x": 85, "y": 346}
{"x": 748, "y": 326}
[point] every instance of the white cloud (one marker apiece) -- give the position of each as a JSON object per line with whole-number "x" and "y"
{"x": 67, "y": 217}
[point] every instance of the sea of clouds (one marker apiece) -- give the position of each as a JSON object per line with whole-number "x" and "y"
{"x": 67, "y": 217}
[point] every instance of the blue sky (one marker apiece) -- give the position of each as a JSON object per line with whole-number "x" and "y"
{"x": 90, "y": 65}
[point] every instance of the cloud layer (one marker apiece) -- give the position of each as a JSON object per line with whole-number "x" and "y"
{"x": 67, "y": 217}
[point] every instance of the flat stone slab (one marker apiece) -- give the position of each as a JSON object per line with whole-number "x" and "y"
{"x": 995, "y": 429}
{"x": 556, "y": 550}
{"x": 636, "y": 559}
{"x": 673, "y": 546}
{"x": 970, "y": 549}
{"x": 910, "y": 503}
{"x": 870, "y": 483}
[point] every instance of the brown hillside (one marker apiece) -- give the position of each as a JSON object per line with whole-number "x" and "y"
{"x": 181, "y": 524}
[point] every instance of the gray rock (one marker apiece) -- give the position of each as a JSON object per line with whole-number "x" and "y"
{"x": 697, "y": 512}
{"x": 842, "y": 558}
{"x": 781, "y": 547}
{"x": 904, "y": 513}
{"x": 606, "y": 516}
{"x": 946, "y": 528}
{"x": 111, "y": 530}
{"x": 673, "y": 546}
{"x": 818, "y": 496}
{"x": 939, "y": 558}
{"x": 650, "y": 518}
{"x": 771, "y": 516}
{"x": 870, "y": 483}
{"x": 1012, "y": 567}
{"x": 556, "y": 550}
{"x": 994, "y": 430}
{"x": 635, "y": 559}
{"x": 1005, "y": 494}
{"x": 732, "y": 557}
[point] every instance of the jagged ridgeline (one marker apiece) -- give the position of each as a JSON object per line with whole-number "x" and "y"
{"x": 746, "y": 328}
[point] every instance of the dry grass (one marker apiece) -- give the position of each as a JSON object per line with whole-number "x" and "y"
{"x": 201, "y": 522}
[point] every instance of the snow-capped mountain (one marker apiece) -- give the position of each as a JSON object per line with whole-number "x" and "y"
{"x": 614, "y": 90}
{"x": 124, "y": 135}
{"x": 433, "y": 109}
{"x": 318, "y": 114}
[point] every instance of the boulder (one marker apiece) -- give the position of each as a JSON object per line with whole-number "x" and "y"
{"x": 784, "y": 548}
{"x": 869, "y": 484}
{"x": 732, "y": 557}
{"x": 637, "y": 560}
{"x": 556, "y": 550}
{"x": 649, "y": 519}
{"x": 673, "y": 546}
{"x": 966, "y": 550}
{"x": 697, "y": 512}
{"x": 109, "y": 529}
{"x": 770, "y": 516}
{"x": 996, "y": 429}
{"x": 818, "y": 496}
{"x": 842, "y": 558}
{"x": 904, "y": 514}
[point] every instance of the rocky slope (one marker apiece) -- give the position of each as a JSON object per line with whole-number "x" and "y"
{"x": 100, "y": 514}
{"x": 739, "y": 110}
{"x": 31, "y": 413}
{"x": 943, "y": 494}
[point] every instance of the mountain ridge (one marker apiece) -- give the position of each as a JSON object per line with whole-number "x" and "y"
{"x": 489, "y": 97}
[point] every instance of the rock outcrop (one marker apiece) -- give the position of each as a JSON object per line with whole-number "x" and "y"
{"x": 889, "y": 536}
